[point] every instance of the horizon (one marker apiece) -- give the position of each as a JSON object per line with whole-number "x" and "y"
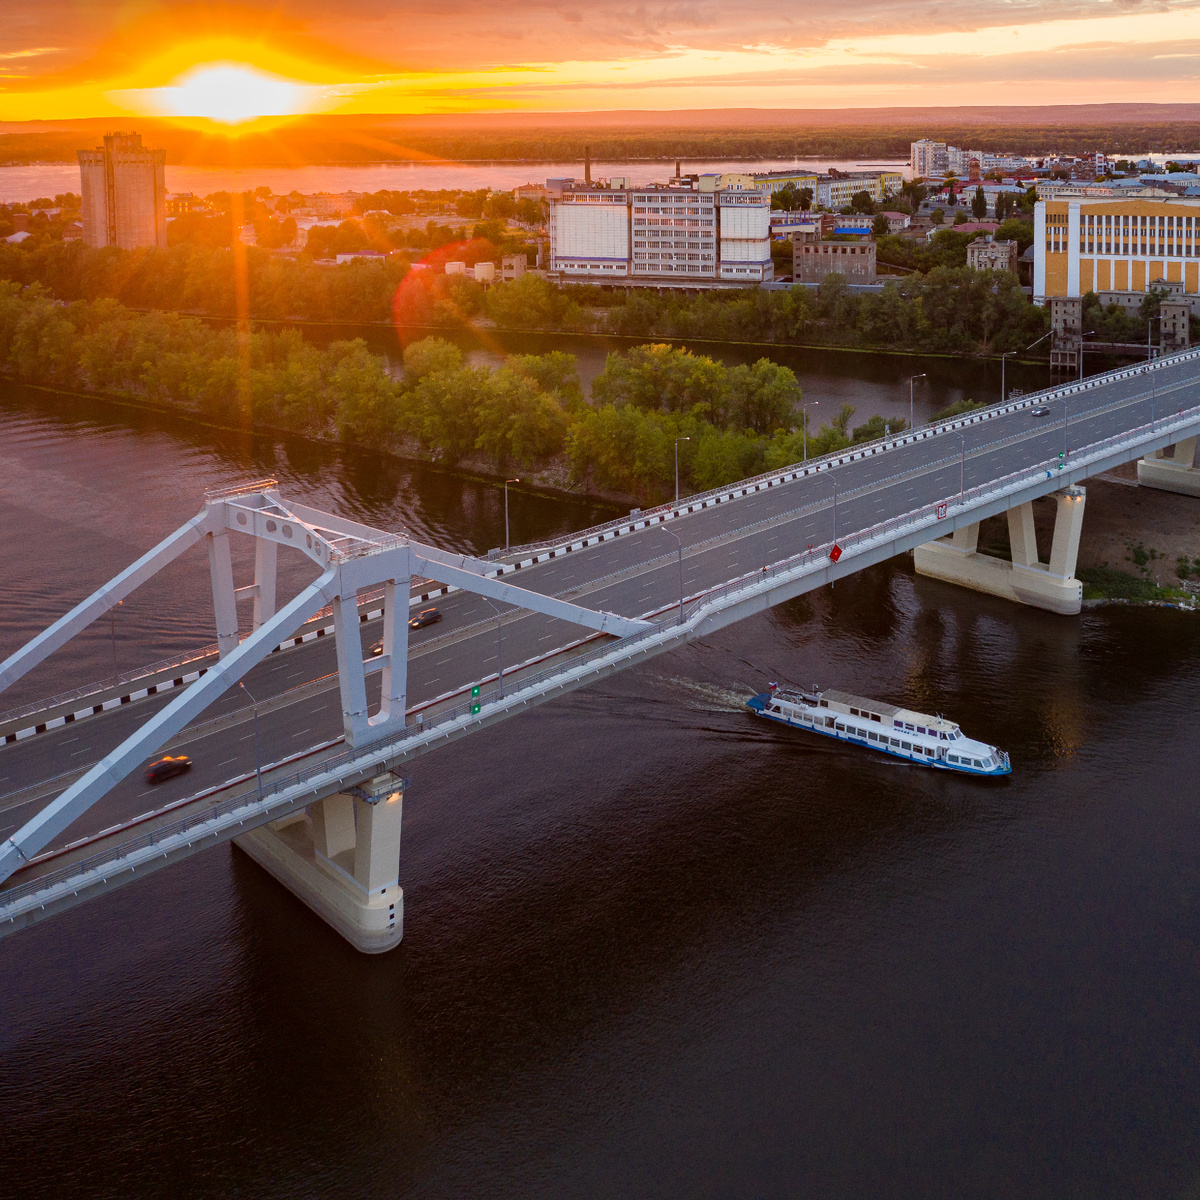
{"x": 249, "y": 66}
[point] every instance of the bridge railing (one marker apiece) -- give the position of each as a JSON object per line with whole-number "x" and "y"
{"x": 367, "y": 758}
{"x": 642, "y": 518}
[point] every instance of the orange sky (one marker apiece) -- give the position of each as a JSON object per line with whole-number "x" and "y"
{"x": 105, "y": 58}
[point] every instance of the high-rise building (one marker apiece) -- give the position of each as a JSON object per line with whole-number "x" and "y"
{"x": 123, "y": 185}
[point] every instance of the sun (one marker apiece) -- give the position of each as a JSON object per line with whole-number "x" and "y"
{"x": 232, "y": 93}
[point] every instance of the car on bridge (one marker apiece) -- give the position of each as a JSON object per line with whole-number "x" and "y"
{"x": 167, "y": 768}
{"x": 1040, "y": 411}
{"x": 427, "y": 616}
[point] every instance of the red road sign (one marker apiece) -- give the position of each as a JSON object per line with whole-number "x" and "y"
{"x": 941, "y": 511}
{"x": 836, "y": 552}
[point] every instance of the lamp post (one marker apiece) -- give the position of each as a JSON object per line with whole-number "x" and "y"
{"x": 1003, "y": 386}
{"x": 679, "y": 552}
{"x": 112, "y": 625}
{"x": 677, "y": 441}
{"x": 506, "y": 483}
{"x": 1081, "y": 337}
{"x": 257, "y": 753}
{"x": 804, "y": 410}
{"x": 962, "y": 464}
{"x": 911, "y": 380}
{"x": 499, "y": 646}
{"x": 1153, "y": 380}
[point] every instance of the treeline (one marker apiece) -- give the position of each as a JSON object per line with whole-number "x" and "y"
{"x": 374, "y": 141}
{"x": 529, "y": 413}
{"x": 946, "y": 310}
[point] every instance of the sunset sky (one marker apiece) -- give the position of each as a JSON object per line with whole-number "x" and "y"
{"x": 103, "y": 58}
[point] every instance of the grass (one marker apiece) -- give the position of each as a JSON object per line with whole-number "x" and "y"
{"x": 1109, "y": 583}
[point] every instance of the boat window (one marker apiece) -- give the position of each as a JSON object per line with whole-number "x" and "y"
{"x": 906, "y": 745}
{"x": 854, "y": 712}
{"x": 897, "y": 724}
{"x": 840, "y": 727}
{"x": 952, "y": 757}
{"x": 895, "y": 741}
{"x": 870, "y": 736}
{"x": 876, "y": 717}
{"x": 920, "y": 728}
{"x": 824, "y": 703}
{"x": 908, "y": 727}
{"x": 828, "y": 722}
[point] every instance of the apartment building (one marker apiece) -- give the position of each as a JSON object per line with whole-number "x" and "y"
{"x": 1118, "y": 247}
{"x": 124, "y": 194}
{"x": 987, "y": 254}
{"x": 852, "y": 257}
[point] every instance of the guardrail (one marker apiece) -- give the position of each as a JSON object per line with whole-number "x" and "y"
{"x": 349, "y": 763}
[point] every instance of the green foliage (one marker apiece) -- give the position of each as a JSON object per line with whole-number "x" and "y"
{"x": 956, "y": 409}
{"x": 1108, "y": 583}
{"x": 880, "y": 226}
{"x": 979, "y": 204}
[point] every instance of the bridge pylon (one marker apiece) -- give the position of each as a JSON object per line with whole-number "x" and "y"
{"x": 1026, "y": 579}
{"x": 341, "y": 857}
{"x": 1175, "y": 474}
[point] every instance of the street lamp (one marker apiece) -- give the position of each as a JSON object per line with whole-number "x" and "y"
{"x": 911, "y": 380}
{"x": 1153, "y": 381}
{"x": 679, "y": 551}
{"x": 1081, "y": 337}
{"x": 499, "y": 646}
{"x": 506, "y": 483}
{"x": 962, "y": 464}
{"x": 257, "y": 754}
{"x": 1003, "y": 387}
{"x": 804, "y": 410}
{"x": 677, "y": 441}
{"x": 112, "y": 623}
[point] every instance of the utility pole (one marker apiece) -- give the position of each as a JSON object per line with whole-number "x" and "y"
{"x": 804, "y": 410}
{"x": 112, "y": 623}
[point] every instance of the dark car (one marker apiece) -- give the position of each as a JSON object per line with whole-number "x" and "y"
{"x": 1040, "y": 411}
{"x": 427, "y": 616}
{"x": 168, "y": 768}
{"x": 376, "y": 649}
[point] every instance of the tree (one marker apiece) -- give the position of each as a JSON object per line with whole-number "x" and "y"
{"x": 517, "y": 420}
{"x": 880, "y": 227}
{"x": 806, "y": 198}
{"x": 861, "y": 202}
{"x": 430, "y": 355}
{"x": 762, "y": 398}
{"x": 979, "y": 204}
{"x": 937, "y": 216}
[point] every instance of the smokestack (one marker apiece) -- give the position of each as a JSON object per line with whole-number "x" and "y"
{"x": 678, "y": 172}
{"x": 587, "y": 165}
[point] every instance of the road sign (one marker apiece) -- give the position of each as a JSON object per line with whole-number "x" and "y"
{"x": 475, "y": 690}
{"x": 475, "y": 708}
{"x": 941, "y": 511}
{"x": 836, "y": 552}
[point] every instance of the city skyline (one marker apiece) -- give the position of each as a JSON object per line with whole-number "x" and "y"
{"x": 236, "y": 62}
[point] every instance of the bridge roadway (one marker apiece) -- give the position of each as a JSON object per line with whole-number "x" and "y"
{"x": 635, "y": 575}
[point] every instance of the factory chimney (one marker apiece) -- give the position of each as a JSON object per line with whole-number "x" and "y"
{"x": 587, "y": 165}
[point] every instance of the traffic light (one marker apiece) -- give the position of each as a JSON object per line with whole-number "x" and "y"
{"x": 1062, "y": 454}
{"x": 475, "y": 691}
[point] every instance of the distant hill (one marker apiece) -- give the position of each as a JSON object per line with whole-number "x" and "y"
{"x": 695, "y": 133}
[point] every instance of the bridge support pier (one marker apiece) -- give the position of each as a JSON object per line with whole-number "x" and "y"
{"x": 1052, "y": 585}
{"x": 342, "y": 858}
{"x": 1174, "y": 474}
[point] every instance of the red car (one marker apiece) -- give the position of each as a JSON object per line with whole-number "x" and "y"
{"x": 168, "y": 768}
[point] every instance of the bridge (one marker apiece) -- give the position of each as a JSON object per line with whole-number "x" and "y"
{"x": 302, "y": 717}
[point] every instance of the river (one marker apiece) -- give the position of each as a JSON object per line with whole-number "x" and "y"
{"x": 652, "y": 947}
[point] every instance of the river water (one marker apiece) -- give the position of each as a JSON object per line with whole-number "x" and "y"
{"x": 652, "y": 946}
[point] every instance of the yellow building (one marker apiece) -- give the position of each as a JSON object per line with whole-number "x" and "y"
{"x": 1118, "y": 248}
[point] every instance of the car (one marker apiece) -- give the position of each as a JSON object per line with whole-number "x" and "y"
{"x": 427, "y": 616}
{"x": 167, "y": 768}
{"x": 376, "y": 649}
{"x": 1040, "y": 411}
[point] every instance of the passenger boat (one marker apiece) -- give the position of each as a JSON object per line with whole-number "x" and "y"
{"x": 918, "y": 737}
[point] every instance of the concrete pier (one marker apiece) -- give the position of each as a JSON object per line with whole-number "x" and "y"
{"x": 342, "y": 858}
{"x": 1175, "y": 474}
{"x": 1027, "y": 580}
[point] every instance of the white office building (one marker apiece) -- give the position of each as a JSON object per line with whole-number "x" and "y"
{"x": 691, "y": 232}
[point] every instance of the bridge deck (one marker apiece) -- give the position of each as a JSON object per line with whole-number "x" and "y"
{"x": 636, "y": 574}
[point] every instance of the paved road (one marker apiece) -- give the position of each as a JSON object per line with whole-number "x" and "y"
{"x": 634, "y": 575}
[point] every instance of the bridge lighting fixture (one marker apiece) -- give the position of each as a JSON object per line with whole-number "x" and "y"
{"x": 257, "y": 754}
